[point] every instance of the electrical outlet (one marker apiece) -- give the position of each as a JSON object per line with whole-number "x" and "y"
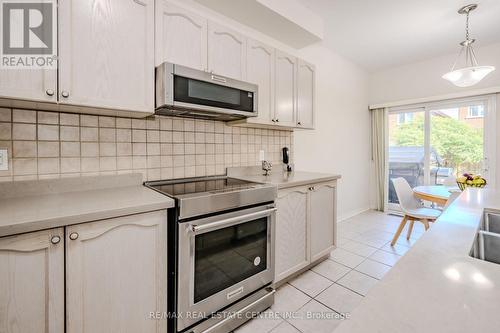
{"x": 4, "y": 160}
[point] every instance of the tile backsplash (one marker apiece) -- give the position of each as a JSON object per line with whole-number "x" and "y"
{"x": 51, "y": 145}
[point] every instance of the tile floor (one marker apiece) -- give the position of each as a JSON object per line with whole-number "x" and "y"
{"x": 314, "y": 301}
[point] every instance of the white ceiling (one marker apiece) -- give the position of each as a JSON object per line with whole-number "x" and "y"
{"x": 378, "y": 34}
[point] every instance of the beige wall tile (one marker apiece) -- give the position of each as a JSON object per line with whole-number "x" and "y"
{"x": 89, "y": 149}
{"x": 106, "y": 121}
{"x": 124, "y": 149}
{"x": 89, "y": 121}
{"x": 153, "y": 162}
{"x": 139, "y": 162}
{"x": 48, "y": 165}
{"x": 178, "y": 124}
{"x": 124, "y": 162}
{"x": 166, "y": 149}
{"x": 70, "y": 164}
{"x": 24, "y": 149}
{"x": 70, "y": 119}
{"x": 23, "y": 116}
{"x": 189, "y": 125}
{"x": 48, "y": 149}
{"x": 107, "y": 135}
{"x": 107, "y": 149}
{"x": 89, "y": 134}
{"x": 166, "y": 161}
{"x": 165, "y": 124}
{"x": 138, "y": 149}
{"x": 107, "y": 163}
{"x": 165, "y": 136}
{"x": 152, "y": 136}
{"x": 48, "y": 132}
{"x": 70, "y": 149}
{"x": 153, "y": 123}
{"x": 48, "y": 117}
{"x": 90, "y": 164}
{"x": 123, "y": 135}
{"x": 138, "y": 135}
{"x": 23, "y": 131}
{"x": 70, "y": 133}
{"x": 24, "y": 166}
{"x": 123, "y": 123}
{"x": 153, "y": 149}
{"x": 139, "y": 123}
{"x": 5, "y": 131}
{"x": 5, "y": 114}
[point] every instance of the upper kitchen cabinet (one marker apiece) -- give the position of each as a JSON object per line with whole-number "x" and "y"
{"x": 106, "y": 54}
{"x": 29, "y": 84}
{"x": 285, "y": 89}
{"x": 260, "y": 70}
{"x": 32, "y": 282}
{"x": 226, "y": 52}
{"x": 181, "y": 36}
{"x": 305, "y": 94}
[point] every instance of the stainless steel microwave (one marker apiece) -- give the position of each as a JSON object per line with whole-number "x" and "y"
{"x": 188, "y": 92}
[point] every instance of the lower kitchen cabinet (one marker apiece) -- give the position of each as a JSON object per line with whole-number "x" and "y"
{"x": 305, "y": 227}
{"x": 32, "y": 282}
{"x": 291, "y": 232}
{"x": 116, "y": 274}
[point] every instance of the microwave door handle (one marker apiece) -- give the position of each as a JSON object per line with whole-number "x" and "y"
{"x": 196, "y": 229}
{"x": 218, "y": 79}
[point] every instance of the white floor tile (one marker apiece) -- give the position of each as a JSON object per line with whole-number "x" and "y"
{"x": 331, "y": 269}
{"x": 289, "y": 299}
{"x": 346, "y": 258}
{"x": 311, "y": 283}
{"x": 358, "y": 282}
{"x": 372, "y": 241}
{"x": 385, "y": 257}
{"x": 397, "y": 248}
{"x": 339, "y": 298}
{"x": 264, "y": 323}
{"x": 314, "y": 317}
{"x": 359, "y": 248}
{"x": 373, "y": 268}
{"x": 284, "y": 327}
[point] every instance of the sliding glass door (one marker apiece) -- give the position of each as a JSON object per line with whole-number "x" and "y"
{"x": 433, "y": 144}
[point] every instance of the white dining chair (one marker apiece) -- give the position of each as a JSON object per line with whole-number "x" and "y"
{"x": 412, "y": 208}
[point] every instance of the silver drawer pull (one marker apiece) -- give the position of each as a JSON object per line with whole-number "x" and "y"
{"x": 49, "y": 92}
{"x": 65, "y": 94}
{"x": 55, "y": 239}
{"x": 218, "y": 78}
{"x": 73, "y": 236}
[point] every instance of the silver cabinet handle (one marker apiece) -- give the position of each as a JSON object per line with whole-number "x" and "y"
{"x": 273, "y": 120}
{"x": 277, "y": 120}
{"x": 65, "y": 94}
{"x": 218, "y": 78}
{"x": 49, "y": 92}
{"x": 55, "y": 239}
{"x": 299, "y": 123}
{"x": 311, "y": 188}
{"x": 73, "y": 236}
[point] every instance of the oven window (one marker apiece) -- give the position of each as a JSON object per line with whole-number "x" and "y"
{"x": 210, "y": 94}
{"x": 228, "y": 256}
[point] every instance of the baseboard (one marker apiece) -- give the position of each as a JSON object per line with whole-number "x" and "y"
{"x": 353, "y": 213}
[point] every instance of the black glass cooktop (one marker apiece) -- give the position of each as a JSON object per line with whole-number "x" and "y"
{"x": 179, "y": 187}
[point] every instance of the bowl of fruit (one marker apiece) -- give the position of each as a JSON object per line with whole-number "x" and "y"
{"x": 470, "y": 180}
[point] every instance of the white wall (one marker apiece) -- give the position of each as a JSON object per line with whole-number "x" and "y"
{"x": 423, "y": 79}
{"x": 340, "y": 143}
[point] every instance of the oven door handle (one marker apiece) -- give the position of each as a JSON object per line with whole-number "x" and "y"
{"x": 196, "y": 229}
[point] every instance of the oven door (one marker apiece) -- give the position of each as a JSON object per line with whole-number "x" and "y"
{"x": 221, "y": 259}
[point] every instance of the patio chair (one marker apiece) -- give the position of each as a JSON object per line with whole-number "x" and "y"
{"x": 412, "y": 208}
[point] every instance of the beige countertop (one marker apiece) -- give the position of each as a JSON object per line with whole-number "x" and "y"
{"x": 280, "y": 179}
{"x": 39, "y": 205}
{"x": 437, "y": 286}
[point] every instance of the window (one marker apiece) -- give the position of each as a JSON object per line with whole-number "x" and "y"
{"x": 404, "y": 118}
{"x": 476, "y": 111}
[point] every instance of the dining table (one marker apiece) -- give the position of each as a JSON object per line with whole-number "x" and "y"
{"x": 438, "y": 194}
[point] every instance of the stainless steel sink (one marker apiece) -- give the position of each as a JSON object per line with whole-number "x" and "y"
{"x": 487, "y": 243}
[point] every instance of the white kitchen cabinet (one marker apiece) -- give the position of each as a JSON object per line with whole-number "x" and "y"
{"x": 285, "y": 89}
{"x": 305, "y": 227}
{"x": 292, "y": 246}
{"x": 181, "y": 36}
{"x": 322, "y": 200}
{"x": 305, "y": 94}
{"x": 32, "y": 282}
{"x": 116, "y": 274}
{"x": 106, "y": 54}
{"x": 260, "y": 70}
{"x": 28, "y": 84}
{"x": 226, "y": 51}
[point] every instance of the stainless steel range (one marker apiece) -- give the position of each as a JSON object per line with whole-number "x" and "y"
{"x": 221, "y": 252}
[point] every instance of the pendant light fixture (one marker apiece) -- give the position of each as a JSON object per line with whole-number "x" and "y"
{"x": 471, "y": 73}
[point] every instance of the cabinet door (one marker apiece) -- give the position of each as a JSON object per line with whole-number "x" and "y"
{"x": 107, "y": 54}
{"x": 226, "y": 52}
{"x": 116, "y": 274}
{"x": 32, "y": 282}
{"x": 322, "y": 219}
{"x": 285, "y": 89}
{"x": 27, "y": 84}
{"x": 260, "y": 70}
{"x": 181, "y": 36}
{"x": 292, "y": 246}
{"x": 305, "y": 94}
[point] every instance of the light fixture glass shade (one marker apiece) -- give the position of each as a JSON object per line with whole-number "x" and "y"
{"x": 468, "y": 76}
